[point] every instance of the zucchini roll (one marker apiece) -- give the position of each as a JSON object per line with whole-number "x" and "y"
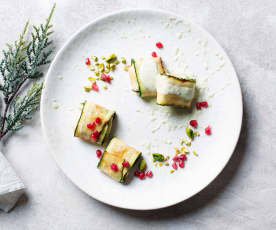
{"x": 143, "y": 74}
{"x": 175, "y": 91}
{"x": 115, "y": 154}
{"x": 95, "y": 123}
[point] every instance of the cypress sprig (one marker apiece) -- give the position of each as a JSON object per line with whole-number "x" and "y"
{"x": 22, "y": 62}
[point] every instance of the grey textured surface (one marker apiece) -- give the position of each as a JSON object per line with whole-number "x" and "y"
{"x": 242, "y": 197}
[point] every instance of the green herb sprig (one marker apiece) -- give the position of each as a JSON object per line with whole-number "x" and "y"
{"x": 21, "y": 63}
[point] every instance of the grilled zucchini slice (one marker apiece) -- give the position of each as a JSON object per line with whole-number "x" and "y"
{"x": 89, "y": 113}
{"x": 172, "y": 90}
{"x": 143, "y": 74}
{"x": 117, "y": 152}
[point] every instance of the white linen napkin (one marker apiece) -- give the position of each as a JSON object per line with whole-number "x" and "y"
{"x": 11, "y": 186}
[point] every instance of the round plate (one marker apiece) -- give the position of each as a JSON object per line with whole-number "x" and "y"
{"x": 188, "y": 49}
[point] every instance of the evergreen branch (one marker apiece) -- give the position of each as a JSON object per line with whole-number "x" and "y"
{"x": 21, "y": 62}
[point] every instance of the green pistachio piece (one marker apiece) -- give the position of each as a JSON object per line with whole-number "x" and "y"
{"x": 103, "y": 57}
{"x": 111, "y": 58}
{"x": 142, "y": 165}
{"x": 190, "y": 133}
{"x": 95, "y": 59}
{"x": 101, "y": 67}
{"x": 123, "y": 60}
{"x": 117, "y": 62}
{"x": 106, "y": 70}
{"x": 158, "y": 157}
{"x": 97, "y": 73}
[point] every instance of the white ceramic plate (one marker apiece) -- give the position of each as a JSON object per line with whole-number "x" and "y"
{"x": 143, "y": 124}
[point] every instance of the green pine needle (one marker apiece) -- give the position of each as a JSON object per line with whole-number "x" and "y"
{"x": 22, "y": 62}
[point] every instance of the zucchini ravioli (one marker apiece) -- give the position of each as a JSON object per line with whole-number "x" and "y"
{"x": 95, "y": 123}
{"x": 172, "y": 90}
{"x": 143, "y": 74}
{"x": 115, "y": 154}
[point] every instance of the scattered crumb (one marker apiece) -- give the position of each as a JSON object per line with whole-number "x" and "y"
{"x": 55, "y": 105}
{"x": 60, "y": 77}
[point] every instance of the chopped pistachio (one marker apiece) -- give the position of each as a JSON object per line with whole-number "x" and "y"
{"x": 160, "y": 164}
{"x": 95, "y": 59}
{"x": 181, "y": 141}
{"x": 117, "y": 62}
{"x": 155, "y": 164}
{"x": 123, "y": 60}
{"x": 101, "y": 67}
{"x": 126, "y": 67}
{"x": 171, "y": 171}
{"x": 194, "y": 152}
{"x": 106, "y": 70}
{"x": 97, "y": 64}
{"x": 97, "y": 73}
{"x": 158, "y": 157}
{"x": 87, "y": 88}
{"x": 190, "y": 133}
{"x": 196, "y": 133}
{"x": 188, "y": 143}
{"x": 107, "y": 66}
{"x": 111, "y": 58}
{"x": 105, "y": 86}
{"x": 166, "y": 163}
{"x": 103, "y": 57}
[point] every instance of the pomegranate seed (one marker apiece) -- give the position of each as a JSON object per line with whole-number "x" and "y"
{"x": 181, "y": 164}
{"x": 98, "y": 120}
{"x": 136, "y": 173}
{"x": 149, "y": 174}
{"x": 114, "y": 167}
{"x": 108, "y": 79}
{"x": 99, "y": 153}
{"x": 208, "y": 130}
{"x": 87, "y": 61}
{"x": 141, "y": 175}
{"x": 204, "y": 104}
{"x": 182, "y": 157}
{"x": 154, "y": 54}
{"x": 95, "y": 86}
{"x": 174, "y": 165}
{"x": 91, "y": 125}
{"x": 95, "y": 135}
{"x": 193, "y": 123}
{"x": 125, "y": 164}
{"x": 103, "y": 76}
{"x": 159, "y": 45}
{"x": 198, "y": 105}
{"x": 175, "y": 159}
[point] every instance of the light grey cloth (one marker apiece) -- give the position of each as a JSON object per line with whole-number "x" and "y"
{"x": 11, "y": 186}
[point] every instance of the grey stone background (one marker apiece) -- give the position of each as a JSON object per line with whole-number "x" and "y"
{"x": 244, "y": 194}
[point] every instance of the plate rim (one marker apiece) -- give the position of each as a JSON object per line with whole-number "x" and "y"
{"x": 71, "y": 39}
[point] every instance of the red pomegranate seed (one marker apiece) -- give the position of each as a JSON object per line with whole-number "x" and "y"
{"x": 87, "y": 61}
{"x": 159, "y": 45}
{"x": 95, "y": 86}
{"x": 91, "y": 125}
{"x": 114, "y": 167}
{"x": 95, "y": 135}
{"x": 125, "y": 164}
{"x": 142, "y": 175}
{"x": 103, "y": 76}
{"x": 98, "y": 120}
{"x": 198, "y": 105}
{"x": 149, "y": 174}
{"x": 181, "y": 164}
{"x": 154, "y": 54}
{"x": 174, "y": 165}
{"x": 136, "y": 173}
{"x": 99, "y": 153}
{"x": 208, "y": 130}
{"x": 204, "y": 104}
{"x": 182, "y": 157}
{"x": 175, "y": 158}
{"x": 193, "y": 123}
{"x": 108, "y": 79}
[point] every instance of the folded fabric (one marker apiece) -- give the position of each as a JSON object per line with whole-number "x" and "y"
{"x": 95, "y": 123}
{"x": 173, "y": 90}
{"x": 11, "y": 187}
{"x": 143, "y": 74}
